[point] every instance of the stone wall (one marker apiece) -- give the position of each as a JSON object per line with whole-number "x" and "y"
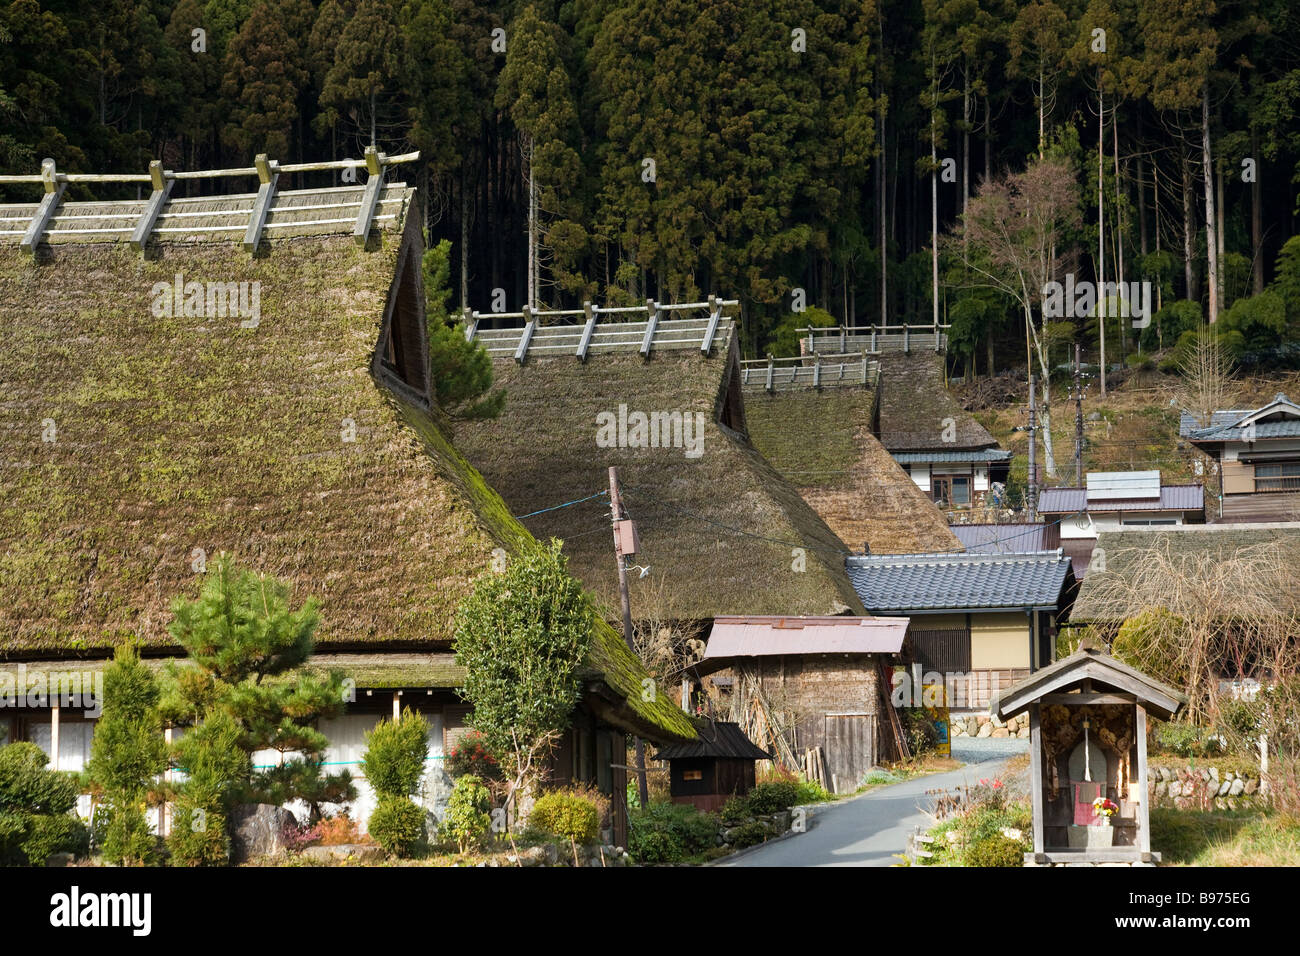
{"x": 1203, "y": 788}
{"x": 982, "y": 725}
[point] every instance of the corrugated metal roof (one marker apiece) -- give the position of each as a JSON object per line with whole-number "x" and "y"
{"x": 766, "y": 636}
{"x": 899, "y": 583}
{"x": 929, "y": 457}
{"x": 1001, "y": 538}
{"x": 1071, "y": 500}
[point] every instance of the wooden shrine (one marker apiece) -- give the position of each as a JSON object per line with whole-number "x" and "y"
{"x": 1087, "y": 742}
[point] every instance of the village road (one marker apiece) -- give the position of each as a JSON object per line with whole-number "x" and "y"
{"x": 866, "y": 830}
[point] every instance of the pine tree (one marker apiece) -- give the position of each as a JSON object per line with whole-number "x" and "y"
{"x": 263, "y": 78}
{"x": 127, "y": 753}
{"x": 243, "y": 641}
{"x": 366, "y": 70}
{"x": 461, "y": 370}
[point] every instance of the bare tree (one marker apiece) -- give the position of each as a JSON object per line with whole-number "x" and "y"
{"x": 1016, "y": 227}
{"x": 1206, "y": 378}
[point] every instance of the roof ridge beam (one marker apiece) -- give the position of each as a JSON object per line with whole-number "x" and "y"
{"x": 588, "y": 330}
{"x": 268, "y": 172}
{"x": 370, "y": 199}
{"x": 526, "y": 337}
{"x": 162, "y": 189}
{"x": 715, "y": 316}
{"x": 54, "y": 188}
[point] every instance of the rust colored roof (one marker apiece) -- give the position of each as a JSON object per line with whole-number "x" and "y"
{"x": 767, "y": 636}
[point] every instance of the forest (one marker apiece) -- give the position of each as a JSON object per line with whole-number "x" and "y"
{"x": 825, "y": 154}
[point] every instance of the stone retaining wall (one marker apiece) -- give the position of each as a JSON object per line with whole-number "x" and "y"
{"x": 1189, "y": 788}
{"x": 982, "y": 725}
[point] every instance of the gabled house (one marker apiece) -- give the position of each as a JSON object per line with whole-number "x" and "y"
{"x": 804, "y": 684}
{"x": 141, "y": 440}
{"x": 984, "y": 621}
{"x": 1115, "y": 500}
{"x": 1258, "y": 452}
{"x": 820, "y": 436}
{"x": 948, "y": 454}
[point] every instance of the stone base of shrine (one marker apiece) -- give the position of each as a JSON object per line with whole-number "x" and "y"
{"x": 1114, "y": 856}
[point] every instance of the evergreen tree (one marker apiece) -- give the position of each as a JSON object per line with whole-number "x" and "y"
{"x": 363, "y": 78}
{"x": 461, "y": 370}
{"x": 127, "y": 753}
{"x": 263, "y": 77}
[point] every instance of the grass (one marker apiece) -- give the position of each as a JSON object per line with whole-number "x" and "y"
{"x": 1231, "y": 838}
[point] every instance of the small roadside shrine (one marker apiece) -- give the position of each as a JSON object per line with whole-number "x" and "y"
{"x": 709, "y": 771}
{"x": 1088, "y": 757}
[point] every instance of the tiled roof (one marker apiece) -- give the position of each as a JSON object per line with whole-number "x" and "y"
{"x": 929, "y": 457}
{"x": 914, "y": 582}
{"x": 1001, "y": 538}
{"x": 1229, "y": 424}
{"x": 1070, "y": 500}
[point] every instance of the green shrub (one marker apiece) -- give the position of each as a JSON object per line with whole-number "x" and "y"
{"x": 198, "y": 835}
{"x": 748, "y": 834}
{"x": 125, "y": 837}
{"x": 468, "y": 818}
{"x": 35, "y": 805}
{"x": 397, "y": 824}
{"x": 995, "y": 851}
{"x": 566, "y": 815}
{"x": 670, "y": 833}
{"x": 395, "y": 754}
{"x": 810, "y": 791}
{"x": 873, "y": 777}
{"x": 736, "y": 810}
{"x": 772, "y": 797}
{"x": 922, "y": 735}
{"x": 1186, "y": 740}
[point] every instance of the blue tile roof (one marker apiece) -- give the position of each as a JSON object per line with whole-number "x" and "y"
{"x": 924, "y": 457}
{"x": 895, "y": 583}
{"x": 1228, "y": 424}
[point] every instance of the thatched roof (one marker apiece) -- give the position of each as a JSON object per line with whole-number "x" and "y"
{"x": 822, "y": 442}
{"x": 718, "y": 531}
{"x": 1192, "y": 549}
{"x": 915, "y": 403}
{"x": 129, "y": 440}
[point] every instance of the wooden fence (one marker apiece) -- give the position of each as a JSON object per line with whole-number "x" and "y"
{"x": 818, "y": 371}
{"x": 873, "y": 338}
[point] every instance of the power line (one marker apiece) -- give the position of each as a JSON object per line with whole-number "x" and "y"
{"x": 567, "y": 504}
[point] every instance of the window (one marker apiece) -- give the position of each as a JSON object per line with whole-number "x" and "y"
{"x": 1278, "y": 476}
{"x": 1143, "y": 522}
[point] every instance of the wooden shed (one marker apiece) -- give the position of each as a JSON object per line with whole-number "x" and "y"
{"x": 708, "y": 771}
{"x": 1087, "y": 741}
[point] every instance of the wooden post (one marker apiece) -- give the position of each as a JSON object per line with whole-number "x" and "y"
{"x": 844, "y": 339}
{"x": 162, "y": 188}
{"x": 54, "y": 736}
{"x": 817, "y": 371}
{"x": 268, "y": 172}
{"x": 527, "y": 337}
{"x": 397, "y": 704}
{"x": 370, "y": 198}
{"x": 1144, "y": 807}
{"x": 715, "y": 316}
{"x": 588, "y": 330}
{"x": 907, "y": 348}
{"x": 45, "y": 211}
{"x": 163, "y": 818}
{"x": 864, "y": 367}
{"x": 1036, "y": 780}
{"x": 771, "y": 368}
{"x": 652, "y": 325}
{"x": 616, "y": 515}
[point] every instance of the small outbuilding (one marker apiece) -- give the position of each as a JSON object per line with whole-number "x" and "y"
{"x": 1088, "y": 757}
{"x": 708, "y": 771}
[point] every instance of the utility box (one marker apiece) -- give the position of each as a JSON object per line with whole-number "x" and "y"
{"x": 626, "y": 539}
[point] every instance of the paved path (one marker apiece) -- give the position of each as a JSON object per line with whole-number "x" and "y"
{"x": 866, "y": 830}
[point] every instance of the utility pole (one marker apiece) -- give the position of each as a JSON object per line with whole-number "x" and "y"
{"x": 1031, "y": 495}
{"x": 1078, "y": 420}
{"x": 625, "y": 543}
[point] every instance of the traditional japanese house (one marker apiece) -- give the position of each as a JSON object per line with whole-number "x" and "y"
{"x": 296, "y": 432}
{"x": 713, "y": 768}
{"x": 808, "y": 683}
{"x": 1087, "y": 743}
{"x": 1258, "y": 456}
{"x": 983, "y": 621}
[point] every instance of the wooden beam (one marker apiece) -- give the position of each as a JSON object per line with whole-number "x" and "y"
{"x": 45, "y": 211}
{"x": 715, "y": 316}
{"x": 471, "y": 325}
{"x": 652, "y": 308}
{"x": 54, "y": 737}
{"x": 1079, "y": 700}
{"x": 268, "y": 172}
{"x": 162, "y": 190}
{"x": 370, "y": 198}
{"x": 588, "y": 330}
{"x": 1036, "y": 778}
{"x": 522, "y": 351}
{"x": 1144, "y": 806}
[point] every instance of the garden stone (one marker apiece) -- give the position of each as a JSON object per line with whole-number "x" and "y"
{"x": 1238, "y": 787}
{"x": 985, "y": 730}
{"x": 257, "y": 829}
{"x": 781, "y": 821}
{"x": 1000, "y": 732}
{"x": 1224, "y": 788}
{"x": 1251, "y": 786}
{"x": 361, "y": 852}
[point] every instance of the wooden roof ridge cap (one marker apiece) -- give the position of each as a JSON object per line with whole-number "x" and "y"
{"x": 957, "y": 557}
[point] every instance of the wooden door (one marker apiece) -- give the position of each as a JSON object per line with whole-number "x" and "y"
{"x": 946, "y": 650}
{"x": 850, "y": 749}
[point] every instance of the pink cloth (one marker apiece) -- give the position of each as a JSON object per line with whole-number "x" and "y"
{"x": 1084, "y": 793}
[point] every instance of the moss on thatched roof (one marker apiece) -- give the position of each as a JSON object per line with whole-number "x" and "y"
{"x": 821, "y": 441}
{"x": 129, "y": 440}
{"x": 718, "y": 531}
{"x": 915, "y": 404}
